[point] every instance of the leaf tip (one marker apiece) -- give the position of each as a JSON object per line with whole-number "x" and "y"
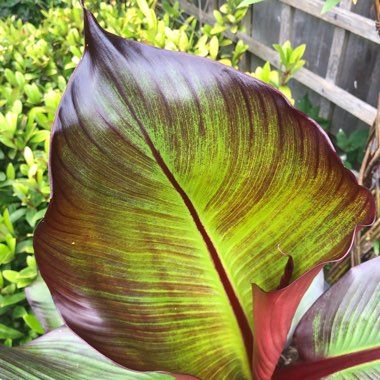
{"x": 92, "y": 29}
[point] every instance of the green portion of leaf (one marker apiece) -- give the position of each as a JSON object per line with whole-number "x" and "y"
{"x": 6, "y": 300}
{"x": 42, "y": 304}
{"x": 61, "y": 355}
{"x": 177, "y": 182}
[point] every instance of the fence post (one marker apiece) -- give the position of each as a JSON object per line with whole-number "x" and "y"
{"x": 338, "y": 47}
{"x": 286, "y": 25}
{"x": 245, "y": 64}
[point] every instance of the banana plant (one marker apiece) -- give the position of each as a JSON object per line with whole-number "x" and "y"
{"x": 191, "y": 208}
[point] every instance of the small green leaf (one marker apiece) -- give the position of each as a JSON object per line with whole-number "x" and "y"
{"x": 297, "y": 53}
{"x": 31, "y": 261}
{"x": 40, "y": 136}
{"x": 11, "y": 174}
{"x": 11, "y": 78}
{"x": 25, "y": 246}
{"x": 214, "y": 47}
{"x": 218, "y": 17}
{"x": 11, "y": 299}
{"x": 33, "y": 323}
{"x": 28, "y": 155}
{"x": 9, "y": 333}
{"x": 27, "y": 273}
{"x": 8, "y": 290}
{"x": 19, "y": 312}
{"x": 376, "y": 247}
{"x": 20, "y": 79}
{"x": 33, "y": 93}
{"x": 16, "y": 215}
{"x": 7, "y": 221}
{"x": 6, "y": 254}
{"x": 281, "y": 52}
{"x": 341, "y": 139}
{"x": 10, "y": 275}
{"x": 11, "y": 242}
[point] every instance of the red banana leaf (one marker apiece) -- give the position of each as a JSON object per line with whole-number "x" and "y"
{"x": 175, "y": 180}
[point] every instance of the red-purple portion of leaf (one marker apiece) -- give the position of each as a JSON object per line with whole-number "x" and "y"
{"x": 272, "y": 317}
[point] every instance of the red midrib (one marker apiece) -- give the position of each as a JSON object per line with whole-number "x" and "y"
{"x": 235, "y": 303}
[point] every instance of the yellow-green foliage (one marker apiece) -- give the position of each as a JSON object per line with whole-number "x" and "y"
{"x": 291, "y": 61}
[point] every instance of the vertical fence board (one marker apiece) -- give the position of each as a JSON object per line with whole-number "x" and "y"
{"x": 338, "y": 46}
{"x": 245, "y": 64}
{"x": 287, "y": 20}
{"x": 317, "y": 35}
{"x": 266, "y": 22}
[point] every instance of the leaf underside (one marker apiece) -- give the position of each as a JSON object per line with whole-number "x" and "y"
{"x": 175, "y": 181}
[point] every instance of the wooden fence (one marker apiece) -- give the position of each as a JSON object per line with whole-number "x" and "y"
{"x": 342, "y": 74}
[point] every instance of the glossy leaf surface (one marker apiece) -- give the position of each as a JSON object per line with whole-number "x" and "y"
{"x": 61, "y": 355}
{"x": 339, "y": 337}
{"x": 175, "y": 179}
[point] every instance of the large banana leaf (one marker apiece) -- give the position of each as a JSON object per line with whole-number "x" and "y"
{"x": 339, "y": 337}
{"x": 176, "y": 182}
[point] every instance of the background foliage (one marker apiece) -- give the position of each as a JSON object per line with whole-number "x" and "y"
{"x": 37, "y": 58}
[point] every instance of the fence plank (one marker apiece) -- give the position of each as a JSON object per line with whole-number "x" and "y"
{"x": 342, "y": 18}
{"x": 338, "y": 96}
{"x": 338, "y": 46}
{"x": 245, "y": 63}
{"x": 287, "y": 16}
